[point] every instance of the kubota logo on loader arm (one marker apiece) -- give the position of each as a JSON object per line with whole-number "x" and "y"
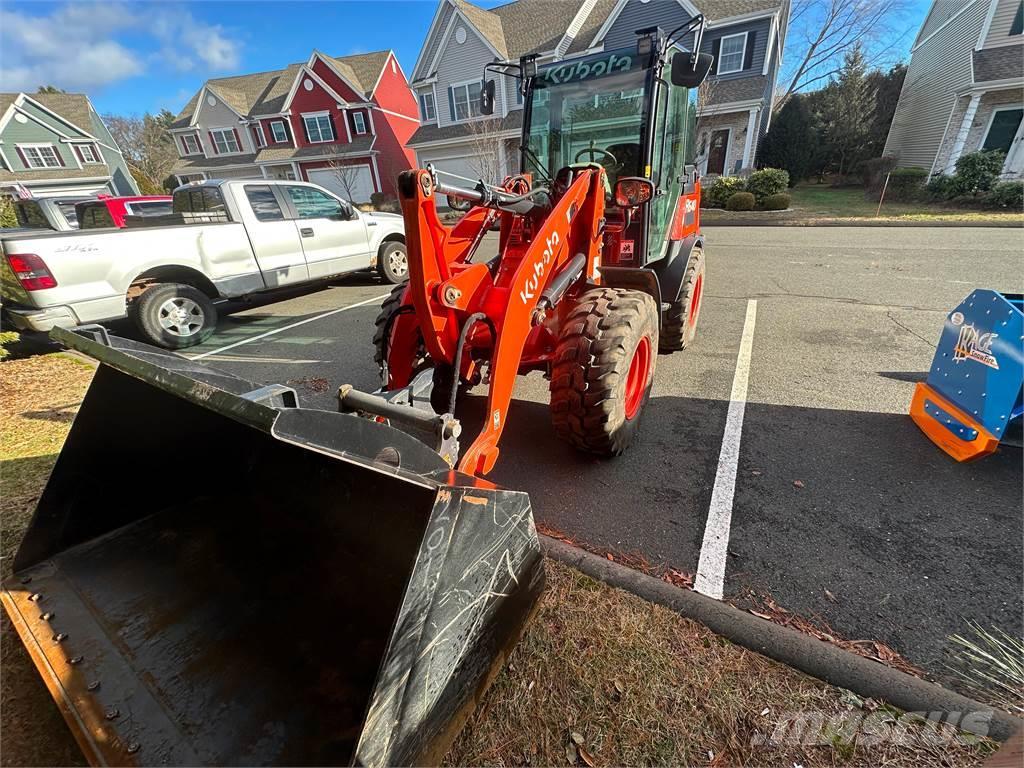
{"x": 539, "y": 267}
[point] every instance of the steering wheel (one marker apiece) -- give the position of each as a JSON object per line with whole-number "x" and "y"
{"x": 595, "y": 150}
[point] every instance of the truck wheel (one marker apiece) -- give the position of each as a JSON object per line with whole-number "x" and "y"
{"x": 680, "y": 322}
{"x": 174, "y": 315}
{"x": 393, "y": 262}
{"x": 603, "y": 369}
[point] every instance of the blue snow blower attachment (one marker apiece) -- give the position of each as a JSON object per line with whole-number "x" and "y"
{"x": 972, "y": 395}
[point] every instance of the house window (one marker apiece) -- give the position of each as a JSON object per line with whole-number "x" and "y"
{"x": 225, "y": 140}
{"x": 88, "y": 153}
{"x": 359, "y": 121}
{"x": 191, "y": 144}
{"x": 730, "y": 53}
{"x": 279, "y": 132}
{"x": 427, "y": 107}
{"x": 1002, "y": 129}
{"x": 465, "y": 100}
{"x": 41, "y": 156}
{"x": 1017, "y": 28}
{"x": 261, "y": 137}
{"x": 319, "y": 128}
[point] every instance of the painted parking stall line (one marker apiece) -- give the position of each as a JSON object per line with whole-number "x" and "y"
{"x": 265, "y": 334}
{"x": 710, "y": 578}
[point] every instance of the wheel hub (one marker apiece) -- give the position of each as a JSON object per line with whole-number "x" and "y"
{"x": 181, "y": 316}
{"x": 636, "y": 379}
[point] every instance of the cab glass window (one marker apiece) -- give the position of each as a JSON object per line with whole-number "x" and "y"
{"x": 264, "y": 202}
{"x": 199, "y": 200}
{"x": 94, "y": 216}
{"x": 313, "y": 204}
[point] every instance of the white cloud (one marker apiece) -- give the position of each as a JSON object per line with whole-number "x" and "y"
{"x": 82, "y": 46}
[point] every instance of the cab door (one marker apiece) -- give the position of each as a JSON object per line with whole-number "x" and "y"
{"x": 333, "y": 234}
{"x": 273, "y": 238}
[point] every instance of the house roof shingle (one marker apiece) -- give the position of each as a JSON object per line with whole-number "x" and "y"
{"x": 264, "y": 93}
{"x": 429, "y": 133}
{"x": 93, "y": 171}
{"x": 359, "y": 145}
{"x": 738, "y": 89}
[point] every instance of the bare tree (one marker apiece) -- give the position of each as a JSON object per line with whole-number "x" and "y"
{"x": 488, "y": 150}
{"x": 348, "y": 177}
{"x": 147, "y": 146}
{"x": 821, "y": 32}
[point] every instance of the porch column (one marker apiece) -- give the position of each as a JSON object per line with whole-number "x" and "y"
{"x": 961, "y": 135}
{"x": 295, "y": 170}
{"x": 748, "y": 145}
{"x": 263, "y": 171}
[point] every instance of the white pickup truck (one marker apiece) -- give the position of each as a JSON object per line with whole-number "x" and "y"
{"x": 241, "y": 237}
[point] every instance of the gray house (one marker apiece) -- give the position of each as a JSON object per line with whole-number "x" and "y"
{"x": 746, "y": 36}
{"x": 55, "y": 144}
{"x": 964, "y": 90}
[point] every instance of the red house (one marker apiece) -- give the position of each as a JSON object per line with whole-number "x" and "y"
{"x": 341, "y": 122}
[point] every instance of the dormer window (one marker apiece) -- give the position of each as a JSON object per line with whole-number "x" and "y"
{"x": 359, "y": 123}
{"x": 318, "y": 127}
{"x": 279, "y": 132}
{"x": 225, "y": 141}
{"x": 730, "y": 53}
{"x": 88, "y": 153}
{"x": 191, "y": 144}
{"x": 427, "y": 107}
{"x": 465, "y": 100}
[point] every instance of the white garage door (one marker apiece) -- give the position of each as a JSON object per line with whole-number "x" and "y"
{"x": 355, "y": 185}
{"x": 458, "y": 165}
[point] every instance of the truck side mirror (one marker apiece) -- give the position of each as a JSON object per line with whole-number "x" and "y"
{"x": 689, "y": 73}
{"x": 487, "y": 97}
{"x": 631, "y": 191}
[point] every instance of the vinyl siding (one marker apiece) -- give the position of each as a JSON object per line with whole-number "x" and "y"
{"x": 458, "y": 64}
{"x": 999, "y": 31}
{"x": 48, "y": 119}
{"x": 220, "y": 115}
{"x": 33, "y": 133}
{"x": 434, "y": 42}
{"x": 937, "y": 70}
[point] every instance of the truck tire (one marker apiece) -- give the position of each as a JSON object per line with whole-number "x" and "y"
{"x": 174, "y": 315}
{"x": 680, "y": 321}
{"x": 393, "y": 262}
{"x": 603, "y": 369}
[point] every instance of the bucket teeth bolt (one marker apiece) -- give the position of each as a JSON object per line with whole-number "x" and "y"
{"x": 112, "y": 713}
{"x": 93, "y": 686}
{"x": 35, "y": 597}
{"x": 60, "y": 637}
{"x": 46, "y": 616}
{"x": 77, "y": 659}
{"x": 26, "y": 579}
{"x": 133, "y": 747}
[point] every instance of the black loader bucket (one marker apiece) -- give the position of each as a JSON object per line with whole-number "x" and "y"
{"x": 214, "y": 576}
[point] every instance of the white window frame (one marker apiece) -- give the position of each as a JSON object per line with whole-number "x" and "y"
{"x": 273, "y": 132}
{"x": 359, "y": 123}
{"x": 27, "y": 148}
{"x": 743, "y": 54}
{"x": 306, "y": 116}
{"x": 261, "y": 136}
{"x": 94, "y": 156}
{"x": 433, "y": 107}
{"x": 199, "y": 145}
{"x": 470, "y": 116}
{"x": 214, "y": 132}
{"x": 992, "y": 120}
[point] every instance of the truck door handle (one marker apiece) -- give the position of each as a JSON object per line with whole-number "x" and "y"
{"x": 306, "y": 231}
{"x": 371, "y": 223}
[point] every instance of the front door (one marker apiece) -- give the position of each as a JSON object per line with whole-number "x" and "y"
{"x": 332, "y": 233}
{"x": 275, "y": 243}
{"x": 717, "y": 151}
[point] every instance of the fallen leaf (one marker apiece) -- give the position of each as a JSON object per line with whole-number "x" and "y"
{"x": 609, "y": 556}
{"x": 577, "y": 738}
{"x": 761, "y": 615}
{"x": 765, "y": 711}
{"x": 586, "y": 757}
{"x": 830, "y": 596}
{"x": 570, "y": 753}
{"x": 619, "y": 686}
{"x": 798, "y": 483}
{"x": 530, "y": 686}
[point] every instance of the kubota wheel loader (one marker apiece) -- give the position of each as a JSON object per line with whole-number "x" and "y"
{"x": 215, "y": 575}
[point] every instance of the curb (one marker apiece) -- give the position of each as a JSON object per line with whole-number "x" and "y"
{"x": 794, "y": 649}
{"x": 714, "y": 222}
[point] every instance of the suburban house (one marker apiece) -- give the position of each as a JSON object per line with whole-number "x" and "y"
{"x": 56, "y": 145}
{"x": 746, "y": 36}
{"x": 964, "y": 90}
{"x": 341, "y": 122}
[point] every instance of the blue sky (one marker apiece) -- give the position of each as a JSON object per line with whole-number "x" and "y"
{"x": 143, "y": 56}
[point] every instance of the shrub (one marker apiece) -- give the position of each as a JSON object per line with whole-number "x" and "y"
{"x": 6, "y": 337}
{"x": 1007, "y": 194}
{"x": 740, "y": 201}
{"x": 873, "y": 171}
{"x": 906, "y": 183}
{"x": 724, "y": 188}
{"x": 978, "y": 171}
{"x": 941, "y": 188}
{"x": 777, "y": 202}
{"x": 766, "y": 182}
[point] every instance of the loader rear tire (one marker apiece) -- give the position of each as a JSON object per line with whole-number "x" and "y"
{"x": 680, "y": 321}
{"x": 383, "y": 323}
{"x": 603, "y": 369}
{"x": 174, "y": 315}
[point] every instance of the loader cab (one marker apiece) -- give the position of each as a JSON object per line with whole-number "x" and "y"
{"x": 618, "y": 110}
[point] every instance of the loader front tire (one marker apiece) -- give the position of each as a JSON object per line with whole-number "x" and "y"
{"x": 174, "y": 315}
{"x": 680, "y": 322}
{"x": 603, "y": 369}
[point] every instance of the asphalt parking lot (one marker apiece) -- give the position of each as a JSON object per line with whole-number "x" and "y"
{"x": 842, "y": 511}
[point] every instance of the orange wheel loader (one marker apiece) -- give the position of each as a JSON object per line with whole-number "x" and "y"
{"x": 215, "y": 575}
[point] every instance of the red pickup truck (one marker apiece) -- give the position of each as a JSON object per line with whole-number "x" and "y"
{"x": 110, "y": 211}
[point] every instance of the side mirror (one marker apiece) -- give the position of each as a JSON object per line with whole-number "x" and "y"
{"x": 689, "y": 73}
{"x": 487, "y": 97}
{"x": 632, "y": 191}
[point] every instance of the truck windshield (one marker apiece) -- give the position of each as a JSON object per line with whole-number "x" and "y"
{"x": 31, "y": 214}
{"x": 588, "y": 110}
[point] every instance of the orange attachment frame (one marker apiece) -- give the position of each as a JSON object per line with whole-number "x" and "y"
{"x": 445, "y": 289}
{"x": 960, "y": 449}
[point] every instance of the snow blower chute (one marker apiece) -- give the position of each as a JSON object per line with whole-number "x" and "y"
{"x": 971, "y": 399}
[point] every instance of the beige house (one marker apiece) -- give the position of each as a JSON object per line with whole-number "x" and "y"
{"x": 964, "y": 90}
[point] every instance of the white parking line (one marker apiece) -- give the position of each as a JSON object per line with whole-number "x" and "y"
{"x": 710, "y": 579}
{"x": 264, "y": 335}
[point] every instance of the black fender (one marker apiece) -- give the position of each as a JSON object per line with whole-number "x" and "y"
{"x": 635, "y": 278}
{"x": 672, "y": 268}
